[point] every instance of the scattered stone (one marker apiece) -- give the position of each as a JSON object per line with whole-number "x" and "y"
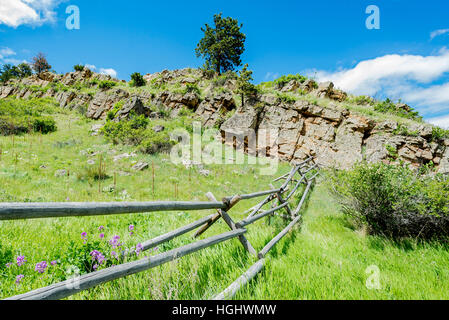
{"x": 139, "y": 166}
{"x": 95, "y": 130}
{"x": 91, "y": 162}
{"x": 124, "y": 156}
{"x": 158, "y": 129}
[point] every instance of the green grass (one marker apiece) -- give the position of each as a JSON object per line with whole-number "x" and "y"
{"x": 324, "y": 259}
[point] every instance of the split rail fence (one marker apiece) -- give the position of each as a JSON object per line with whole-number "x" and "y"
{"x": 304, "y": 173}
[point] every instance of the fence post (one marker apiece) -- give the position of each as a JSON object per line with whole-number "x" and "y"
{"x": 246, "y": 244}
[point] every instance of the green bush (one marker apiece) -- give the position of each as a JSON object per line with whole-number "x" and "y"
{"x": 394, "y": 201}
{"x": 362, "y": 100}
{"x": 402, "y": 130}
{"x": 106, "y": 84}
{"x": 285, "y": 97}
{"x": 155, "y": 143}
{"x": 130, "y": 131}
{"x": 222, "y": 79}
{"x": 44, "y": 124}
{"x": 137, "y": 80}
{"x": 192, "y": 88}
{"x": 93, "y": 173}
{"x": 389, "y": 106}
{"x": 23, "y": 116}
{"x": 439, "y": 134}
{"x": 283, "y": 80}
{"x": 78, "y": 67}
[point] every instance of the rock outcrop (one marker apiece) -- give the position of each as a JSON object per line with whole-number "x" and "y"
{"x": 335, "y": 135}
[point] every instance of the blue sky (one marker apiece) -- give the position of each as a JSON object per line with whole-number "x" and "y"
{"x": 408, "y": 57}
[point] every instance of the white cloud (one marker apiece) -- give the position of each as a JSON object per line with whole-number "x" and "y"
{"x": 369, "y": 76}
{"x": 5, "y": 52}
{"x": 411, "y": 78}
{"x": 14, "y": 13}
{"x": 437, "y": 33}
{"x": 109, "y": 71}
{"x": 7, "y": 55}
{"x": 270, "y": 76}
{"x": 442, "y": 122}
{"x": 91, "y": 67}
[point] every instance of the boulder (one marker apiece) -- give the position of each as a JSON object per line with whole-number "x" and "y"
{"x": 158, "y": 129}
{"x": 337, "y": 95}
{"x": 140, "y": 166}
{"x": 103, "y": 102}
{"x": 308, "y": 85}
{"x": 324, "y": 89}
{"x": 291, "y": 86}
{"x": 135, "y": 105}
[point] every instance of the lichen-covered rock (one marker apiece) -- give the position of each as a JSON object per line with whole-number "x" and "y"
{"x": 211, "y": 108}
{"x": 103, "y": 102}
{"x": 135, "y": 105}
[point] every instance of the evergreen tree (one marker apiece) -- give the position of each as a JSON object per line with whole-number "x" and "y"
{"x": 222, "y": 44}
{"x": 244, "y": 86}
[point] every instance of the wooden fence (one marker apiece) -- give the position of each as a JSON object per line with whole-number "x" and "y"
{"x": 305, "y": 171}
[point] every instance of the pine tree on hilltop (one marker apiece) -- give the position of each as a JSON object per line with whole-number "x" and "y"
{"x": 222, "y": 44}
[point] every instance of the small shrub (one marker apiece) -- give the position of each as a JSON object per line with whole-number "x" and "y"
{"x": 192, "y": 88}
{"x": 129, "y": 131}
{"x": 394, "y": 201}
{"x": 93, "y": 173}
{"x": 155, "y": 143}
{"x": 222, "y": 79}
{"x": 107, "y": 84}
{"x": 78, "y": 67}
{"x": 137, "y": 80}
{"x": 389, "y": 106}
{"x": 439, "y": 134}
{"x": 44, "y": 124}
{"x": 283, "y": 80}
{"x": 284, "y": 97}
{"x": 362, "y": 100}
{"x": 94, "y": 82}
{"x": 404, "y": 131}
{"x": 392, "y": 151}
{"x": 22, "y": 116}
{"x": 115, "y": 109}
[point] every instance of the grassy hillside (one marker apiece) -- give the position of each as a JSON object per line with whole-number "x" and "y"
{"x": 324, "y": 259}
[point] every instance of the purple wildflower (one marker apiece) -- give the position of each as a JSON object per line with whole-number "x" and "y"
{"x": 21, "y": 260}
{"x": 115, "y": 242}
{"x": 19, "y": 278}
{"x": 84, "y": 236}
{"x": 54, "y": 262}
{"x": 95, "y": 267}
{"x": 101, "y": 235}
{"x": 100, "y": 228}
{"x": 131, "y": 230}
{"x": 8, "y": 265}
{"x": 41, "y": 266}
{"x": 114, "y": 254}
{"x": 139, "y": 248}
{"x": 97, "y": 256}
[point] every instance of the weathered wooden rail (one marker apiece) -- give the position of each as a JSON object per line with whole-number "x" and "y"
{"x": 16, "y": 211}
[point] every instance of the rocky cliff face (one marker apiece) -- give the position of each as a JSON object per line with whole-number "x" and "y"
{"x": 336, "y": 135}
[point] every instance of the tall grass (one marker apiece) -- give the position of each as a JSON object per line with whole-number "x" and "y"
{"x": 326, "y": 258}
